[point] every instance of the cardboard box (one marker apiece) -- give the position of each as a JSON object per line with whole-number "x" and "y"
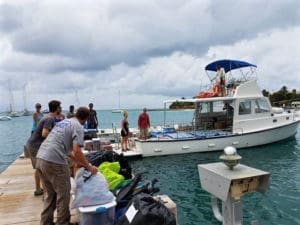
{"x": 88, "y": 145}
{"x": 96, "y": 144}
{"x": 219, "y": 125}
{"x": 106, "y": 147}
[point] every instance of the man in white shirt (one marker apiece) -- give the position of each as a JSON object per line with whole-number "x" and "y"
{"x": 221, "y": 79}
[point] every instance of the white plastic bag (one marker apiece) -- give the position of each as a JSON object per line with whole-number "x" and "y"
{"x": 91, "y": 190}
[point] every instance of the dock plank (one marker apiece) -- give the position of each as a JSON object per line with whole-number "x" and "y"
{"x": 18, "y": 205}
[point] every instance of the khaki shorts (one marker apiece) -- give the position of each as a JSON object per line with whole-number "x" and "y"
{"x": 144, "y": 132}
{"x": 32, "y": 155}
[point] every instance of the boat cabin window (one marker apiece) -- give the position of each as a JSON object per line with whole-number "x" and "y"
{"x": 218, "y": 106}
{"x": 295, "y": 104}
{"x": 261, "y": 106}
{"x": 245, "y": 107}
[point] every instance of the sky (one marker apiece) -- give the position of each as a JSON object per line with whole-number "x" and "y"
{"x": 138, "y": 53}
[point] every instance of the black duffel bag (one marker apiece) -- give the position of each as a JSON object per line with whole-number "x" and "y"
{"x": 98, "y": 157}
{"x": 147, "y": 211}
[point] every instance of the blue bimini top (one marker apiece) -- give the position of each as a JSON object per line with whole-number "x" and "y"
{"x": 228, "y": 65}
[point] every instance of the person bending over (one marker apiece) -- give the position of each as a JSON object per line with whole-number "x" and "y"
{"x": 65, "y": 140}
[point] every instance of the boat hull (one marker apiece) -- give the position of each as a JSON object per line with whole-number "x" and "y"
{"x": 5, "y": 118}
{"x": 176, "y": 146}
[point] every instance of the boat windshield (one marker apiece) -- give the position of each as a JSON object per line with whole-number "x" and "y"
{"x": 261, "y": 106}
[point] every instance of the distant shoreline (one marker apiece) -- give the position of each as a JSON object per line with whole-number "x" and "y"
{"x": 170, "y": 110}
{"x": 151, "y": 110}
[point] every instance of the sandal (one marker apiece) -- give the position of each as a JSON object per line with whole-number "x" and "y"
{"x": 38, "y": 192}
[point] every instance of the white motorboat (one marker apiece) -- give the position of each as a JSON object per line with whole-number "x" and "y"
{"x": 242, "y": 118}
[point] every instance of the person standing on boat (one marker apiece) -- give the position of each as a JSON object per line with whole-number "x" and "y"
{"x": 92, "y": 122}
{"x": 65, "y": 140}
{"x": 229, "y": 113}
{"x": 71, "y": 112}
{"x": 144, "y": 124}
{"x": 33, "y": 144}
{"x": 229, "y": 109}
{"x": 36, "y": 116}
{"x": 124, "y": 132}
{"x": 219, "y": 87}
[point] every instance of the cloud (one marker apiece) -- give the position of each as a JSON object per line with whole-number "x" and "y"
{"x": 147, "y": 50}
{"x": 274, "y": 52}
{"x": 104, "y": 33}
{"x": 10, "y": 19}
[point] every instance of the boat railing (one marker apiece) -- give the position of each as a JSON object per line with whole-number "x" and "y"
{"x": 116, "y": 136}
{"x": 231, "y": 83}
{"x": 195, "y": 127}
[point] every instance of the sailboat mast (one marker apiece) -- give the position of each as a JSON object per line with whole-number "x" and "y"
{"x": 24, "y": 97}
{"x": 11, "y": 97}
{"x": 119, "y": 100}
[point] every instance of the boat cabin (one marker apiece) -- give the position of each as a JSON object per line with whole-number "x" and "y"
{"x": 247, "y": 110}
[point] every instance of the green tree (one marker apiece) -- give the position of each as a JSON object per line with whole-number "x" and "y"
{"x": 283, "y": 96}
{"x": 265, "y": 93}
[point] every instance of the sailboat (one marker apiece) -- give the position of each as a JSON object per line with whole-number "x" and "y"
{"x": 25, "y": 110}
{"x": 11, "y": 112}
{"x": 119, "y": 110}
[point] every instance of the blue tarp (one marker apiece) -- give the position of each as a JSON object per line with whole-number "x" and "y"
{"x": 190, "y": 135}
{"x": 181, "y": 135}
{"x": 228, "y": 65}
{"x": 167, "y": 130}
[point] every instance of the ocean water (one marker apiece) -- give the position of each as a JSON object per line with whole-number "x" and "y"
{"x": 178, "y": 176}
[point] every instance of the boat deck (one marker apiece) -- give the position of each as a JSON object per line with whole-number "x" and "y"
{"x": 18, "y": 205}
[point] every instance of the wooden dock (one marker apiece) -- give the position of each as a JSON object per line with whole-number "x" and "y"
{"x": 18, "y": 205}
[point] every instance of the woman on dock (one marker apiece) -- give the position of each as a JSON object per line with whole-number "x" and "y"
{"x": 36, "y": 116}
{"x": 124, "y": 132}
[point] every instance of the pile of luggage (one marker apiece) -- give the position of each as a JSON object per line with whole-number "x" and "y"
{"x": 134, "y": 196}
